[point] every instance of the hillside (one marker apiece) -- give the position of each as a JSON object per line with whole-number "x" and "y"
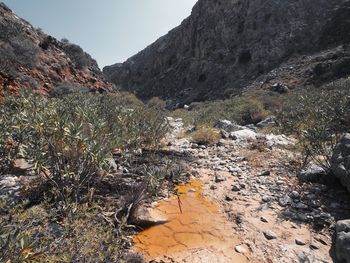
{"x": 225, "y": 46}
{"x": 34, "y": 60}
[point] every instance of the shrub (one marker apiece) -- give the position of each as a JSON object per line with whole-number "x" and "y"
{"x": 69, "y": 139}
{"x": 252, "y": 111}
{"x": 80, "y": 58}
{"x": 65, "y": 89}
{"x": 247, "y": 108}
{"x": 17, "y": 52}
{"x": 206, "y": 136}
{"x": 318, "y": 117}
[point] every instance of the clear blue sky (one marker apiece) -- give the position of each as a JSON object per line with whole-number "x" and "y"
{"x": 109, "y": 30}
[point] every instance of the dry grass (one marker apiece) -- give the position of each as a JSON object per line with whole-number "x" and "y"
{"x": 206, "y": 136}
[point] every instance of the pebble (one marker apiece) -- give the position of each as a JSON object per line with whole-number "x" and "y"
{"x": 264, "y": 219}
{"x": 269, "y": 235}
{"x": 314, "y": 246}
{"x": 266, "y": 173}
{"x": 294, "y": 195}
{"x": 229, "y": 198}
{"x": 219, "y": 178}
{"x": 213, "y": 187}
{"x": 300, "y": 242}
{"x": 241, "y": 249}
{"x": 236, "y": 188}
{"x": 266, "y": 199}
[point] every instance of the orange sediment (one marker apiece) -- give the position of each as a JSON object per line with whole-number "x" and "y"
{"x": 197, "y": 227}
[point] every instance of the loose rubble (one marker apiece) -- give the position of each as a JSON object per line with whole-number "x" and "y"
{"x": 281, "y": 214}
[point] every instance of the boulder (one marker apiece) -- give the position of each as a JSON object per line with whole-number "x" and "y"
{"x": 175, "y": 124}
{"x": 280, "y": 88}
{"x": 312, "y": 173}
{"x": 279, "y": 140}
{"x": 342, "y": 245}
{"x": 270, "y": 121}
{"x": 243, "y": 135}
{"x": 228, "y": 126}
{"x": 341, "y": 161}
{"x": 146, "y": 217}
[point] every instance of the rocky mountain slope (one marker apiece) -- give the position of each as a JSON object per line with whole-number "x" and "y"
{"x": 31, "y": 59}
{"x": 227, "y": 45}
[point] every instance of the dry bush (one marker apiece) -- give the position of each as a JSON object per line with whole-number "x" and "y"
{"x": 319, "y": 117}
{"x": 206, "y": 136}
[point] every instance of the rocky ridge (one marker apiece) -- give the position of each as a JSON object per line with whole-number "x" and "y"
{"x": 225, "y": 46}
{"x": 34, "y": 60}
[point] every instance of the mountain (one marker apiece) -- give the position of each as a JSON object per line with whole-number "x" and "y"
{"x": 34, "y": 60}
{"x": 225, "y": 46}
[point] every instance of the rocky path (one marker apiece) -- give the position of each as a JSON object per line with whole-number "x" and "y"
{"x": 273, "y": 216}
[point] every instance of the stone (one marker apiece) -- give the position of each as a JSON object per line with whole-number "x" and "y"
{"x": 229, "y": 198}
{"x": 314, "y": 246}
{"x": 241, "y": 249}
{"x": 146, "y": 217}
{"x": 270, "y": 235}
{"x": 213, "y": 187}
{"x": 280, "y": 88}
{"x": 312, "y": 173}
{"x": 236, "y": 188}
{"x": 265, "y": 173}
{"x": 264, "y": 219}
{"x": 269, "y": 121}
{"x": 227, "y": 126}
{"x": 235, "y": 170}
{"x": 285, "y": 200}
{"x": 219, "y": 178}
{"x": 278, "y": 140}
{"x": 300, "y": 242}
{"x": 266, "y": 198}
{"x": 340, "y": 164}
{"x": 294, "y": 195}
{"x": 342, "y": 242}
{"x": 243, "y": 135}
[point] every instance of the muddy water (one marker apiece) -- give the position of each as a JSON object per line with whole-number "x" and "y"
{"x": 196, "y": 231}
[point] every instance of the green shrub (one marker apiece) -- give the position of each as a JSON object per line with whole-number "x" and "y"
{"x": 248, "y": 108}
{"x": 318, "y": 117}
{"x": 69, "y": 139}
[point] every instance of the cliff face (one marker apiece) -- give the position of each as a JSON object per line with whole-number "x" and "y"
{"x": 226, "y": 45}
{"x": 31, "y": 59}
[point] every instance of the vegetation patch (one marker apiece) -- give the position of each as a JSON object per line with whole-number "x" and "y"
{"x": 95, "y": 159}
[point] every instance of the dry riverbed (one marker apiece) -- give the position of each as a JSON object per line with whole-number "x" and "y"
{"x": 244, "y": 204}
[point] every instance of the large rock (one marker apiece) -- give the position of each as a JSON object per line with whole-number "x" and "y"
{"x": 270, "y": 121}
{"x": 341, "y": 161}
{"x": 226, "y": 45}
{"x": 342, "y": 245}
{"x": 244, "y": 135}
{"x": 312, "y": 173}
{"x": 279, "y": 140}
{"x": 228, "y": 126}
{"x": 146, "y": 217}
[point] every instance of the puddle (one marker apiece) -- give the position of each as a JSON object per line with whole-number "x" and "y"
{"x": 197, "y": 228}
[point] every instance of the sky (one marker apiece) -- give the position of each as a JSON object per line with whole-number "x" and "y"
{"x": 109, "y": 30}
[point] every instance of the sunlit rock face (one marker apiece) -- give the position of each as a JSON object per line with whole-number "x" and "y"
{"x": 226, "y": 45}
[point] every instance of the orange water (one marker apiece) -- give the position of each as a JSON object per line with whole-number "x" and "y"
{"x": 197, "y": 226}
